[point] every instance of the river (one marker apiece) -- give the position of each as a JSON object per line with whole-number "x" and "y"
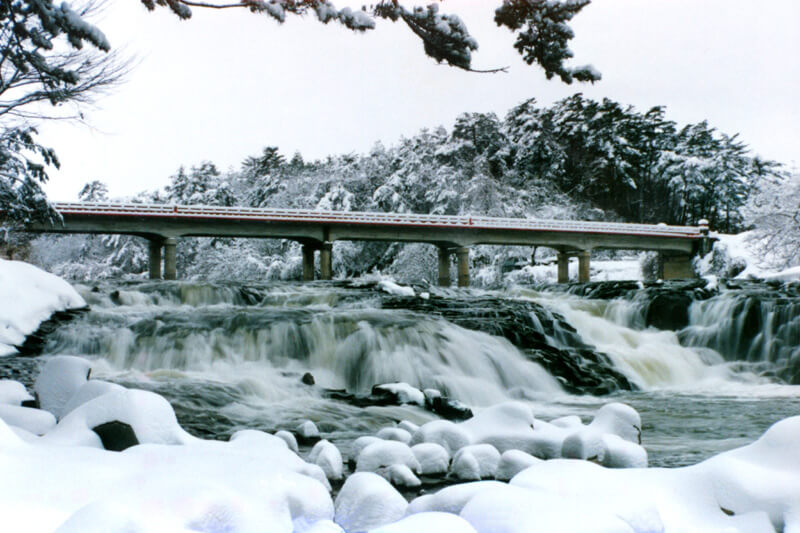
{"x": 232, "y": 355}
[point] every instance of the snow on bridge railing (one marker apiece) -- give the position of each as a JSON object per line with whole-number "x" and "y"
{"x": 358, "y": 217}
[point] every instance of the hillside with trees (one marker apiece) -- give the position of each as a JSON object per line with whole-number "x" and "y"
{"x": 576, "y": 159}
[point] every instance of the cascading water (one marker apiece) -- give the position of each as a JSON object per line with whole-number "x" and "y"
{"x": 231, "y": 355}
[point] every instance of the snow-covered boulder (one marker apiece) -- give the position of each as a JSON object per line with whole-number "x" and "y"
{"x": 386, "y": 453}
{"x": 433, "y": 458}
{"x": 35, "y": 421}
{"x": 409, "y": 426}
{"x": 359, "y": 444}
{"x": 506, "y": 426}
{"x": 28, "y": 297}
{"x": 148, "y": 417}
{"x": 611, "y": 439}
{"x": 289, "y": 439}
{"x": 428, "y": 523}
{"x": 512, "y": 462}
{"x": 402, "y": 392}
{"x": 307, "y": 432}
{"x": 475, "y": 462}
{"x": 89, "y": 391}
{"x": 328, "y": 457}
{"x": 393, "y": 288}
{"x": 397, "y": 434}
{"x": 58, "y": 381}
{"x": 13, "y": 392}
{"x": 450, "y": 499}
{"x": 400, "y": 475}
{"x": 368, "y": 501}
{"x": 443, "y": 432}
{"x": 253, "y": 438}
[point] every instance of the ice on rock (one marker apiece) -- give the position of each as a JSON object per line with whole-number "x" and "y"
{"x": 450, "y": 499}
{"x": 35, "y": 421}
{"x": 393, "y": 288}
{"x": 443, "y": 432}
{"x": 289, "y": 439}
{"x": 385, "y": 453}
{"x": 433, "y": 458}
{"x": 400, "y": 435}
{"x": 88, "y": 391}
{"x": 60, "y": 378}
{"x": 368, "y": 501}
{"x": 400, "y": 476}
{"x": 512, "y": 462}
{"x": 475, "y": 462}
{"x": 328, "y": 457}
{"x": 149, "y": 415}
{"x": 13, "y": 392}
{"x": 428, "y": 523}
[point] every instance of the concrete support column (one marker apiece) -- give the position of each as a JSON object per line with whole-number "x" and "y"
{"x": 563, "y": 267}
{"x": 463, "y": 267}
{"x": 444, "y": 267}
{"x": 583, "y": 267}
{"x": 308, "y": 263}
{"x": 676, "y": 267}
{"x": 155, "y": 259}
{"x": 326, "y": 261}
{"x": 170, "y": 258}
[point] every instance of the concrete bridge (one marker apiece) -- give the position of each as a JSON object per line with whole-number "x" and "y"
{"x": 163, "y": 225}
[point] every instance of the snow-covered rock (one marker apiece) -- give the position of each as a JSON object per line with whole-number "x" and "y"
{"x": 307, "y": 432}
{"x": 475, "y": 462}
{"x": 60, "y": 378}
{"x": 450, "y": 499}
{"x": 35, "y": 421}
{"x": 13, "y": 392}
{"x": 289, "y": 439}
{"x": 328, "y": 457}
{"x": 28, "y": 297}
{"x": 88, "y": 391}
{"x": 400, "y": 476}
{"x": 400, "y": 435}
{"x": 505, "y": 426}
{"x": 411, "y": 427}
{"x": 385, "y": 453}
{"x": 512, "y": 462}
{"x": 368, "y": 501}
{"x": 391, "y": 287}
{"x": 404, "y": 392}
{"x": 360, "y": 443}
{"x": 443, "y": 432}
{"x": 433, "y": 458}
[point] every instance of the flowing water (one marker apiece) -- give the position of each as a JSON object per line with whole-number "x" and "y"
{"x": 231, "y": 355}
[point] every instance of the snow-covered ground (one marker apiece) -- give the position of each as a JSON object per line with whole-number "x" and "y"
{"x": 28, "y": 297}
{"x": 745, "y": 256}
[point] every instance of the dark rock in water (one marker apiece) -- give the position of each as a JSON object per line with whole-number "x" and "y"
{"x": 115, "y": 297}
{"x": 449, "y": 409}
{"x": 116, "y": 436}
{"x": 669, "y": 310}
{"x": 308, "y": 378}
{"x": 34, "y": 343}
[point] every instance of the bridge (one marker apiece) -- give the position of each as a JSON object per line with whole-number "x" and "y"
{"x": 162, "y": 225}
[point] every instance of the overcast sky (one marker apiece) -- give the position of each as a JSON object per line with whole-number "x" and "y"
{"x": 223, "y": 85}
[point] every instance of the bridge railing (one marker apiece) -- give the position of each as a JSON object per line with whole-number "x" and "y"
{"x": 357, "y": 217}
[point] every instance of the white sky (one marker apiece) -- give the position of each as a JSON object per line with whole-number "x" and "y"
{"x": 223, "y": 85}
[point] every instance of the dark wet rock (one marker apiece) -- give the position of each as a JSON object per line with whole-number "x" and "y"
{"x": 380, "y": 397}
{"x": 35, "y": 342}
{"x": 31, "y": 403}
{"x": 668, "y": 310}
{"x": 116, "y": 436}
{"x": 308, "y": 379}
{"x": 449, "y": 409}
{"x": 542, "y": 335}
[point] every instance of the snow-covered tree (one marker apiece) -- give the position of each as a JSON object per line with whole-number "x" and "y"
{"x": 775, "y": 215}
{"x": 541, "y": 26}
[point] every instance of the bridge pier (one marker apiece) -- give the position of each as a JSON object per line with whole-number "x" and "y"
{"x": 326, "y": 261}
{"x": 583, "y": 267}
{"x": 563, "y": 267}
{"x": 155, "y": 258}
{"x": 675, "y": 267}
{"x": 170, "y": 258}
{"x": 444, "y": 267}
{"x": 463, "y": 266}
{"x": 308, "y": 262}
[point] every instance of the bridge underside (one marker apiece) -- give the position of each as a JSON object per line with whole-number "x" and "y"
{"x": 164, "y": 232}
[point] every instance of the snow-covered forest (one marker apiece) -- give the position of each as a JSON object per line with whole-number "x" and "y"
{"x": 577, "y": 159}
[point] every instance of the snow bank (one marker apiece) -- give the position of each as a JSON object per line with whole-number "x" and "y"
{"x": 744, "y": 256}
{"x": 28, "y": 297}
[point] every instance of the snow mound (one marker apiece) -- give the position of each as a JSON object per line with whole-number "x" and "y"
{"x": 59, "y": 380}
{"x": 475, "y": 462}
{"x": 450, "y": 499}
{"x": 512, "y": 462}
{"x": 13, "y": 392}
{"x": 433, "y": 458}
{"x": 386, "y": 453}
{"x": 28, "y": 297}
{"x": 400, "y": 435}
{"x": 366, "y": 502}
{"x": 35, "y": 421}
{"x": 428, "y": 523}
{"x": 328, "y": 457}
